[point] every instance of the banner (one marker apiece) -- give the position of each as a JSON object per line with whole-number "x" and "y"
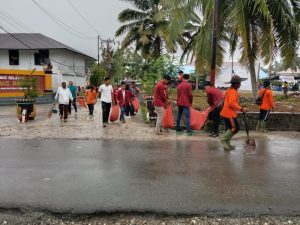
{"x": 12, "y": 83}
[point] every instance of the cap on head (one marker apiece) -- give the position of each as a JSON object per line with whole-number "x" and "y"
{"x": 236, "y": 79}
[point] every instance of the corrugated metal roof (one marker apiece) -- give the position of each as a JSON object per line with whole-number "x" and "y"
{"x": 35, "y": 41}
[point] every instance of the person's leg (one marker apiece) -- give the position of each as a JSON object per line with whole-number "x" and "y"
{"x": 260, "y": 119}
{"x": 180, "y": 111}
{"x": 265, "y": 118}
{"x": 89, "y": 106}
{"x": 132, "y": 113}
{"x": 216, "y": 122}
{"x": 103, "y": 112}
{"x": 61, "y": 111}
{"x": 123, "y": 112}
{"x": 108, "y": 106}
{"x": 70, "y": 106}
{"x": 159, "y": 111}
{"x": 127, "y": 110}
{"x": 225, "y": 140}
{"x": 74, "y": 105}
{"x": 92, "y": 109}
{"x": 188, "y": 119}
{"x": 66, "y": 111}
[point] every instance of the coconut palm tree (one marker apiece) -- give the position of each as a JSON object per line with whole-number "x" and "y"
{"x": 144, "y": 26}
{"x": 259, "y": 29}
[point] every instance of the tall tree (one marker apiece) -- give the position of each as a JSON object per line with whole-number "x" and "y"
{"x": 145, "y": 27}
{"x": 260, "y": 29}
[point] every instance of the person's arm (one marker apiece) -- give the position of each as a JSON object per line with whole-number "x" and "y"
{"x": 233, "y": 102}
{"x": 161, "y": 93}
{"x": 271, "y": 100}
{"x": 70, "y": 95}
{"x": 190, "y": 94}
{"x": 113, "y": 97}
{"x": 209, "y": 99}
{"x": 99, "y": 92}
{"x": 178, "y": 93}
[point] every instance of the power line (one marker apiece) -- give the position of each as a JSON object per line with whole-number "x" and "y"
{"x": 16, "y": 21}
{"x": 62, "y": 24}
{"x": 28, "y": 46}
{"x": 80, "y": 14}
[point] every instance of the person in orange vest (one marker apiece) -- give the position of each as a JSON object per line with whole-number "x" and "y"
{"x": 229, "y": 112}
{"x": 267, "y": 104}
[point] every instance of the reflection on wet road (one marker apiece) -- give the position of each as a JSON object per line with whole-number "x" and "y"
{"x": 163, "y": 176}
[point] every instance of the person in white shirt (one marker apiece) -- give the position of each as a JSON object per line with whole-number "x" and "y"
{"x": 107, "y": 99}
{"x": 64, "y": 96}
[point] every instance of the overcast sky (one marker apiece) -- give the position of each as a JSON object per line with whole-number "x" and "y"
{"x": 101, "y": 14}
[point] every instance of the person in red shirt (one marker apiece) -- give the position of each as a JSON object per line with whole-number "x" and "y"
{"x": 184, "y": 102}
{"x": 160, "y": 101}
{"x": 214, "y": 98}
{"x": 124, "y": 98}
{"x": 266, "y": 106}
{"x": 229, "y": 112}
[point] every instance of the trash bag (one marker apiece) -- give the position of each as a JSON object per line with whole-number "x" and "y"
{"x": 168, "y": 119}
{"x": 136, "y": 104}
{"x": 114, "y": 114}
{"x": 198, "y": 118}
{"x": 82, "y": 103}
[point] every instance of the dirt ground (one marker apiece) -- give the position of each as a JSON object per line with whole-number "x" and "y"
{"x": 14, "y": 217}
{"x": 81, "y": 126}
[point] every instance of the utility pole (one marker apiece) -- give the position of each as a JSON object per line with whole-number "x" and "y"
{"x": 108, "y": 56}
{"x": 98, "y": 43}
{"x": 214, "y": 44}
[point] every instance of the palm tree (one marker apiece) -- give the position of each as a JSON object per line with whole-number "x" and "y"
{"x": 145, "y": 27}
{"x": 259, "y": 29}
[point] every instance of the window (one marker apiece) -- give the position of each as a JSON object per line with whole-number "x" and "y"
{"x": 13, "y": 57}
{"x": 40, "y": 57}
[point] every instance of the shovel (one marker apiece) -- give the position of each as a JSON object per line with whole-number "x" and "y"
{"x": 249, "y": 142}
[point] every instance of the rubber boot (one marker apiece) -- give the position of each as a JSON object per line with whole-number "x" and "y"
{"x": 225, "y": 140}
{"x": 258, "y": 126}
{"x": 232, "y": 147}
{"x": 263, "y": 127}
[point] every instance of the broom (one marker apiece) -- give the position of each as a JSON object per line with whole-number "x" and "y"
{"x": 249, "y": 142}
{"x": 52, "y": 110}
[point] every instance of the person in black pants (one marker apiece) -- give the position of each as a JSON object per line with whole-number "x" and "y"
{"x": 107, "y": 99}
{"x": 214, "y": 98}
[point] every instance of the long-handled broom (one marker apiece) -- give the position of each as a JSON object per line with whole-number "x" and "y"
{"x": 249, "y": 143}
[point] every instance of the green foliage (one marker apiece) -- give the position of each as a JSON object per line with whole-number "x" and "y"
{"x": 156, "y": 69}
{"x": 258, "y": 29}
{"x": 30, "y": 88}
{"x": 98, "y": 75}
{"x": 144, "y": 113}
{"x": 145, "y": 27}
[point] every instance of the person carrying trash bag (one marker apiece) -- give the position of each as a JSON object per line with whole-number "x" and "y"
{"x": 229, "y": 112}
{"x": 266, "y": 104}
{"x": 123, "y": 99}
{"x": 184, "y": 102}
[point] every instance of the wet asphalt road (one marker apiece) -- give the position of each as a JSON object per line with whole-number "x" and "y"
{"x": 166, "y": 177}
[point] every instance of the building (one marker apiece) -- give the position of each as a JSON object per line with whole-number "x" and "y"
{"x": 290, "y": 76}
{"x": 225, "y": 73}
{"x": 25, "y": 54}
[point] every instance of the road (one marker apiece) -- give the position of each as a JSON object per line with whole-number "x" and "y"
{"x": 144, "y": 176}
